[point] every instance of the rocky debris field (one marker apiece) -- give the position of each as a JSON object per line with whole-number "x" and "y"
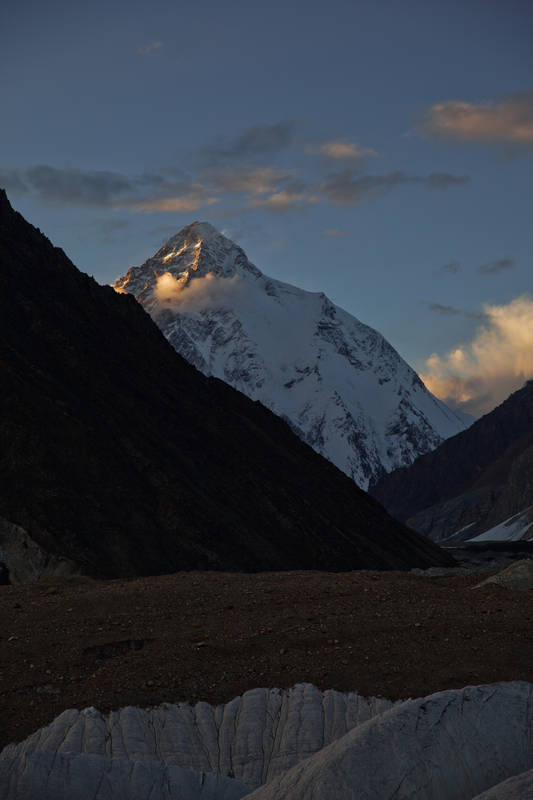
{"x": 77, "y": 642}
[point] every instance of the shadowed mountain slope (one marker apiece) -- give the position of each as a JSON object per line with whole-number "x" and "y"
{"x": 479, "y": 478}
{"x": 120, "y": 457}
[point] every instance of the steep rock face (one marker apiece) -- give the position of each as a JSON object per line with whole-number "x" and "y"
{"x": 341, "y": 386}
{"x": 119, "y": 458}
{"x": 472, "y": 482}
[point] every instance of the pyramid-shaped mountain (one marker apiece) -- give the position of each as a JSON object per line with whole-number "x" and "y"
{"x": 340, "y": 385}
{"x": 119, "y": 458}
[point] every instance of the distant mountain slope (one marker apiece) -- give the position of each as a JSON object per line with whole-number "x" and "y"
{"x": 473, "y": 481}
{"x": 118, "y": 456}
{"x": 341, "y": 386}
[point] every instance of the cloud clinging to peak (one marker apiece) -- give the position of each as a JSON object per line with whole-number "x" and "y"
{"x": 198, "y": 294}
{"x": 508, "y": 121}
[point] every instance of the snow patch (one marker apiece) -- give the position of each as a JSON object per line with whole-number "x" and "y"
{"x": 513, "y": 529}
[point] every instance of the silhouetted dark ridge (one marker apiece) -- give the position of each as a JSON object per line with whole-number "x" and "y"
{"x": 118, "y": 458}
{"x": 479, "y": 477}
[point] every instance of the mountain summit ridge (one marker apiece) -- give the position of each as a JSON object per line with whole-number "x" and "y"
{"x": 338, "y": 382}
{"x": 196, "y": 249}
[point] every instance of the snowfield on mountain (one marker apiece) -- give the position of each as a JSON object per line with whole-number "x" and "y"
{"x": 341, "y": 386}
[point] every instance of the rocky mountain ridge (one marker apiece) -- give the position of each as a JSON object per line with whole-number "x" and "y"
{"x": 476, "y": 481}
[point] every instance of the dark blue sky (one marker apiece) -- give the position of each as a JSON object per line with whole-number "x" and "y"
{"x": 377, "y": 151}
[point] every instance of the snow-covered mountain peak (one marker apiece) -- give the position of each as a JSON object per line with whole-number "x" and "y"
{"x": 195, "y": 239}
{"x": 341, "y": 386}
{"x": 196, "y": 251}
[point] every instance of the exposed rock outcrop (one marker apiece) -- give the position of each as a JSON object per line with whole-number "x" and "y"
{"x": 25, "y": 560}
{"x": 516, "y": 576}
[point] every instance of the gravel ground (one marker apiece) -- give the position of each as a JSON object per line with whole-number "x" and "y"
{"x": 210, "y": 636}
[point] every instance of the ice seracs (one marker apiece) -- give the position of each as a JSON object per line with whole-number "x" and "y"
{"x": 297, "y": 744}
{"x": 339, "y": 384}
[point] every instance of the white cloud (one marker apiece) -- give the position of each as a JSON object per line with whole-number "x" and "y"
{"x": 285, "y": 200}
{"x": 198, "y": 293}
{"x": 480, "y": 374}
{"x": 254, "y": 180}
{"x": 190, "y": 201}
{"x": 336, "y": 233}
{"x": 149, "y": 47}
{"x": 509, "y": 121}
{"x": 342, "y": 150}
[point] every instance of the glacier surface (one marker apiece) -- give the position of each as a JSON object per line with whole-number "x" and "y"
{"x": 289, "y": 744}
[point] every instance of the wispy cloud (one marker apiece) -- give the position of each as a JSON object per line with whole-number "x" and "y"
{"x": 440, "y": 309}
{"x": 148, "y": 192}
{"x": 343, "y": 150}
{"x": 12, "y": 180}
{"x": 451, "y": 268}
{"x": 149, "y": 47}
{"x": 508, "y": 121}
{"x": 453, "y": 311}
{"x": 497, "y": 266}
{"x": 443, "y": 180}
{"x": 249, "y": 179}
{"x": 336, "y": 233}
{"x": 68, "y": 185}
{"x": 292, "y": 197}
{"x": 349, "y": 188}
{"x": 108, "y": 230}
{"x": 231, "y": 167}
{"x": 192, "y": 200}
{"x": 478, "y": 375}
{"x": 253, "y": 142}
